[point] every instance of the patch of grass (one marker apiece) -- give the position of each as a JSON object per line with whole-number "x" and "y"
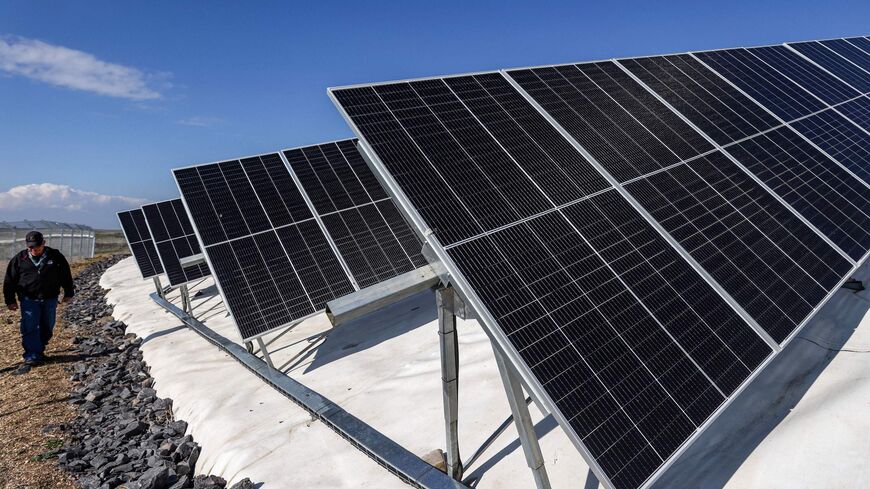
{"x": 52, "y": 446}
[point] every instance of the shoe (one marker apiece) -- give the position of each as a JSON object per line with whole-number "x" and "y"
{"x": 22, "y": 369}
{"x": 31, "y": 361}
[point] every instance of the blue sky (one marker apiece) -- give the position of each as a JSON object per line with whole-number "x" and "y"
{"x": 102, "y": 99}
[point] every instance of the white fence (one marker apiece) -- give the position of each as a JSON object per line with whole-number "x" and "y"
{"x": 73, "y": 240}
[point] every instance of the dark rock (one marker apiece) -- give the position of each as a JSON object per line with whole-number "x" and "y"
{"x": 208, "y": 482}
{"x": 244, "y": 484}
{"x": 154, "y": 478}
{"x": 132, "y": 429}
{"x": 179, "y": 427}
{"x": 183, "y": 482}
{"x": 89, "y": 482}
{"x": 124, "y": 435}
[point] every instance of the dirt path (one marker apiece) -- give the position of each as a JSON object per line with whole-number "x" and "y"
{"x": 30, "y": 402}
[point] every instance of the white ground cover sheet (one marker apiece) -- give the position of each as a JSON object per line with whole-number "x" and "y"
{"x": 803, "y": 423}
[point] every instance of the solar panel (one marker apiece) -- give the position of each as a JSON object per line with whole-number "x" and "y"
{"x": 174, "y": 239}
{"x": 841, "y": 139}
{"x": 139, "y": 240}
{"x": 764, "y": 84}
{"x": 609, "y": 330}
{"x": 824, "y": 193}
{"x": 271, "y": 260}
{"x": 857, "y": 111}
{"x": 849, "y": 51}
{"x": 581, "y": 212}
{"x": 359, "y": 217}
{"x": 285, "y": 237}
{"x": 809, "y": 76}
{"x": 710, "y": 102}
{"x": 860, "y": 42}
{"x": 819, "y": 190}
{"x": 836, "y": 64}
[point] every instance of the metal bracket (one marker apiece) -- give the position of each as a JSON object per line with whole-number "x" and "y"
{"x": 449, "y": 342}
{"x": 192, "y": 260}
{"x": 523, "y": 420}
{"x": 854, "y": 284}
{"x": 365, "y": 301}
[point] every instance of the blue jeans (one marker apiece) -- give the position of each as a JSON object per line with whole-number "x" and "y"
{"x": 37, "y": 326}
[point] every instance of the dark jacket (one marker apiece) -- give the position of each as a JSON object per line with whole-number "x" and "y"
{"x": 24, "y": 280}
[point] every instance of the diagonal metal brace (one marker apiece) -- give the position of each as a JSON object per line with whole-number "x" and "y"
{"x": 523, "y": 420}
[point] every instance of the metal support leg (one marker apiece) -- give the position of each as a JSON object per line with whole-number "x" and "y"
{"x": 265, "y": 354}
{"x": 159, "y": 287}
{"x": 523, "y": 420}
{"x": 185, "y": 300}
{"x": 450, "y": 376}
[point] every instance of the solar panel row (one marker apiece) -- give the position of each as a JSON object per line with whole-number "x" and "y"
{"x": 640, "y": 235}
{"x": 270, "y": 259}
{"x": 285, "y": 238}
{"x": 174, "y": 238}
{"x": 141, "y": 245}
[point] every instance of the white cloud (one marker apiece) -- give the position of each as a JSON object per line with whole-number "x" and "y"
{"x": 54, "y": 196}
{"x": 54, "y": 202}
{"x": 74, "y": 69}
{"x": 200, "y": 121}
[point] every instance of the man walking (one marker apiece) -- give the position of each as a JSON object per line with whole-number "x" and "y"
{"x": 35, "y": 276}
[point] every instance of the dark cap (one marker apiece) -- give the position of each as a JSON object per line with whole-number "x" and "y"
{"x": 34, "y": 238}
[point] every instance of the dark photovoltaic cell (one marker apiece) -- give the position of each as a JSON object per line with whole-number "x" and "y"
{"x": 836, "y": 64}
{"x": 626, "y": 129}
{"x": 823, "y": 193}
{"x": 352, "y": 205}
{"x": 773, "y": 265}
{"x": 809, "y": 76}
{"x": 140, "y": 242}
{"x": 710, "y": 102}
{"x": 630, "y": 343}
{"x": 174, "y": 238}
{"x": 423, "y": 129}
{"x": 857, "y": 111}
{"x": 269, "y": 256}
{"x": 762, "y": 83}
{"x": 841, "y": 139}
{"x": 849, "y": 51}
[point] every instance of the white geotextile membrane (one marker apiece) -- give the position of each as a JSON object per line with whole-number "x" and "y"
{"x": 802, "y": 423}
